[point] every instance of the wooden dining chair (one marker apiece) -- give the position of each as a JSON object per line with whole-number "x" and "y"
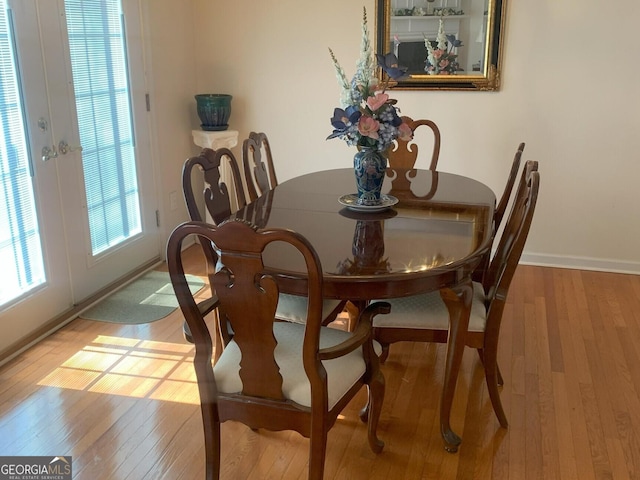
{"x": 405, "y": 153}
{"x": 273, "y": 375}
{"x": 425, "y": 318}
{"x": 501, "y": 208}
{"x": 218, "y": 203}
{"x": 216, "y": 195}
{"x": 259, "y": 174}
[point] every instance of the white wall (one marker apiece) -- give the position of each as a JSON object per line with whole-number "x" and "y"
{"x": 172, "y": 84}
{"x": 568, "y": 92}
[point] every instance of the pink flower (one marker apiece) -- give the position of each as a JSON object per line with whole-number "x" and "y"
{"x": 404, "y": 132}
{"x": 437, "y": 53}
{"x": 368, "y": 127}
{"x": 376, "y": 102}
{"x": 443, "y": 63}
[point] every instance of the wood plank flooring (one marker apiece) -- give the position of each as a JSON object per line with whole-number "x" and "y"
{"x": 122, "y": 399}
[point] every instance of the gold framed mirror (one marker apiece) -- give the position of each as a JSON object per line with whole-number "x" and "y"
{"x": 444, "y": 44}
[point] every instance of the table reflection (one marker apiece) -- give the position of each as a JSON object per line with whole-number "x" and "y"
{"x": 367, "y": 249}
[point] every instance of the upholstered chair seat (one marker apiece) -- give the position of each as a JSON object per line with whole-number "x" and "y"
{"x": 433, "y": 312}
{"x": 342, "y": 372}
{"x": 293, "y": 308}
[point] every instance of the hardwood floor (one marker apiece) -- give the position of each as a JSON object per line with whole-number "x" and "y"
{"x": 122, "y": 399}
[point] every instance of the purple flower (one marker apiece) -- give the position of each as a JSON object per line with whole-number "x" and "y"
{"x": 389, "y": 63}
{"x": 343, "y": 119}
{"x": 453, "y": 42}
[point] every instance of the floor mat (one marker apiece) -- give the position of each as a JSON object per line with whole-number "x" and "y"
{"x": 146, "y": 299}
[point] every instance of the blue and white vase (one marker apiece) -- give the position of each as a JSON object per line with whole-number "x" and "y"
{"x": 369, "y": 165}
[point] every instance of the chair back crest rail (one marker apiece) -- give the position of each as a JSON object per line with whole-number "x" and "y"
{"x": 260, "y": 174}
{"x": 404, "y": 154}
{"x": 216, "y": 194}
{"x": 501, "y": 208}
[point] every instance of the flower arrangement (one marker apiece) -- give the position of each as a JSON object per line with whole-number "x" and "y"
{"x": 442, "y": 60}
{"x": 368, "y": 117}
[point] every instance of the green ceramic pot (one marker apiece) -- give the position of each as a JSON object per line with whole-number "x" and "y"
{"x": 214, "y": 110}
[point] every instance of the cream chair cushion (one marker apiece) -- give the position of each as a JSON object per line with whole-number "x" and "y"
{"x": 293, "y": 308}
{"x": 342, "y": 373}
{"x": 428, "y": 311}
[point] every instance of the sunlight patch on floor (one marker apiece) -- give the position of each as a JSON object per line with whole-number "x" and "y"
{"x": 130, "y": 367}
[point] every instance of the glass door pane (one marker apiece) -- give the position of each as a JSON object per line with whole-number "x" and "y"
{"x": 106, "y": 176}
{"x": 20, "y": 243}
{"x": 101, "y": 84}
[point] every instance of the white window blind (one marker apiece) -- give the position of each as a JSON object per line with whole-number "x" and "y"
{"x": 21, "y": 261}
{"x": 99, "y": 64}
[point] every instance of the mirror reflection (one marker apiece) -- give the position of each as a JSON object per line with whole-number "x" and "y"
{"x": 451, "y": 44}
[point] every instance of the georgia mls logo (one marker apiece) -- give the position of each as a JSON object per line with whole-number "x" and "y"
{"x": 60, "y": 465}
{"x": 35, "y": 468}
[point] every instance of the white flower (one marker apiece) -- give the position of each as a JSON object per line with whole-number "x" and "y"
{"x": 442, "y": 37}
{"x": 430, "y": 57}
{"x": 343, "y": 82}
{"x": 365, "y": 67}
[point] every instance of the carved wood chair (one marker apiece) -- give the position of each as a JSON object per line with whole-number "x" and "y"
{"x": 405, "y": 153}
{"x": 425, "y": 318}
{"x": 260, "y": 176}
{"x": 501, "y": 208}
{"x": 218, "y": 203}
{"x": 273, "y": 375}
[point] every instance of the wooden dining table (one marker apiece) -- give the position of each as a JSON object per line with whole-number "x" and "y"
{"x": 431, "y": 239}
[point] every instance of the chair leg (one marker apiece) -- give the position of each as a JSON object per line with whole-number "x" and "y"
{"x": 481, "y": 355}
{"x": 353, "y": 309}
{"x": 317, "y": 450}
{"x": 186, "y": 332}
{"x": 374, "y": 408}
{"x": 491, "y": 375}
{"x": 211, "y": 446}
{"x": 385, "y": 352}
{"x": 370, "y": 413}
{"x": 334, "y": 314}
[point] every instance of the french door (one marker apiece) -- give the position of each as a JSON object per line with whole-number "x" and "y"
{"x": 79, "y": 206}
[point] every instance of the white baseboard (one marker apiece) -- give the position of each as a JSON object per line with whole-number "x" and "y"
{"x": 581, "y": 263}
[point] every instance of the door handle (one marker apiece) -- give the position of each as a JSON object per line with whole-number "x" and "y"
{"x": 64, "y": 148}
{"x": 49, "y": 153}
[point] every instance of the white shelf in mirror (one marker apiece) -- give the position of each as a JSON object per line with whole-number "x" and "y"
{"x": 427, "y": 17}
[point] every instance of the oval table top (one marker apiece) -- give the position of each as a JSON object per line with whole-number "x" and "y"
{"x": 431, "y": 238}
